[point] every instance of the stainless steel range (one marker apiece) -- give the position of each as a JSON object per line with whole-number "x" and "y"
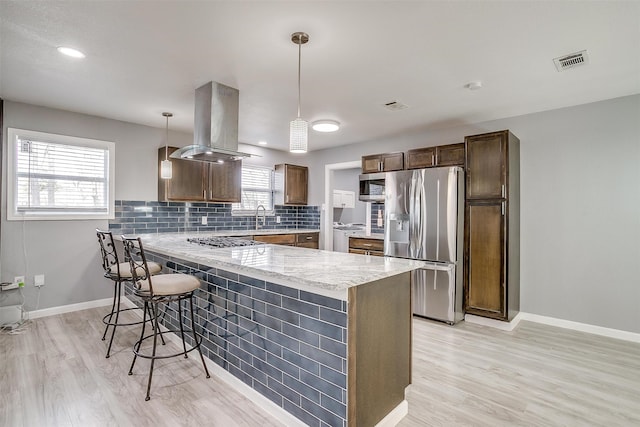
{"x": 223, "y": 242}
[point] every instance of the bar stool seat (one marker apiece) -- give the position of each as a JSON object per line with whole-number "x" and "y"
{"x": 119, "y": 272}
{"x": 169, "y": 284}
{"x": 155, "y": 290}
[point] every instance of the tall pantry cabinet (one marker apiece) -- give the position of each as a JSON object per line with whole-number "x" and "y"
{"x": 492, "y": 225}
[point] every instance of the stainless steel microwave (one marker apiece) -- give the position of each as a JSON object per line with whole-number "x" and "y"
{"x": 372, "y": 187}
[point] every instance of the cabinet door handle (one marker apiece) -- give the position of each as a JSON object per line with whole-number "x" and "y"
{"x": 204, "y": 194}
{"x": 367, "y": 244}
{"x": 210, "y": 194}
{"x": 502, "y": 208}
{"x": 309, "y": 237}
{"x": 502, "y": 192}
{"x": 433, "y": 159}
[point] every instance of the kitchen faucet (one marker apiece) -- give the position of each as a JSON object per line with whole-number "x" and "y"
{"x": 264, "y": 216}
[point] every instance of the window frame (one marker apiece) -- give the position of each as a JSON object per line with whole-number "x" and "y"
{"x": 48, "y": 215}
{"x": 249, "y": 212}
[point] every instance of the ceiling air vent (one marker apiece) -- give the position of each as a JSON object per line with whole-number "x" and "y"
{"x": 395, "y": 106}
{"x": 571, "y": 61}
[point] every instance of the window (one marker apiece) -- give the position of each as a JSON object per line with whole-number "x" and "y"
{"x": 257, "y": 189}
{"x": 59, "y": 177}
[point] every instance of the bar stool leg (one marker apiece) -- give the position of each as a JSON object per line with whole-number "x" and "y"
{"x": 161, "y": 336}
{"x": 155, "y": 341}
{"x": 136, "y": 346}
{"x": 117, "y": 307}
{"x": 195, "y": 336}
{"x": 113, "y": 306}
{"x": 184, "y": 345}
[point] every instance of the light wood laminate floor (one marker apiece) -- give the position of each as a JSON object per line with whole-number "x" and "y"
{"x": 55, "y": 374}
{"x": 536, "y": 375}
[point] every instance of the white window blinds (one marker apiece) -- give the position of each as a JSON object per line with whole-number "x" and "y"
{"x": 257, "y": 189}
{"x": 58, "y": 177}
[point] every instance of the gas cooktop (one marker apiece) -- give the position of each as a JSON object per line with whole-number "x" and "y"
{"x": 223, "y": 242}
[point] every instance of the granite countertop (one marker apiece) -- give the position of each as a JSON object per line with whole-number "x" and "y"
{"x": 318, "y": 271}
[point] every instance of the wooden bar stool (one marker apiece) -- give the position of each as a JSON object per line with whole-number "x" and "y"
{"x": 119, "y": 273}
{"x": 162, "y": 289}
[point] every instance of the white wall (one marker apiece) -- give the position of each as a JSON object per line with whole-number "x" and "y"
{"x": 580, "y": 217}
{"x": 580, "y": 190}
{"x": 66, "y": 252}
{"x": 347, "y": 179}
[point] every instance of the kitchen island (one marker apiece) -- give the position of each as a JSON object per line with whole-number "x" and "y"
{"x": 324, "y": 335}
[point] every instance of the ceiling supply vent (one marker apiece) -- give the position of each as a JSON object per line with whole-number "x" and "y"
{"x": 395, "y": 106}
{"x": 571, "y": 60}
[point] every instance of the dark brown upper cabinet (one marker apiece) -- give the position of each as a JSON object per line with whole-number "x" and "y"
{"x": 291, "y": 184}
{"x": 383, "y": 162}
{"x": 199, "y": 181}
{"x": 442, "y": 155}
{"x": 225, "y": 181}
{"x": 487, "y": 165}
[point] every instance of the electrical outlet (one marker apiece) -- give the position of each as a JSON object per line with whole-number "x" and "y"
{"x": 38, "y": 280}
{"x": 278, "y": 219}
{"x": 19, "y": 280}
{"x": 204, "y": 220}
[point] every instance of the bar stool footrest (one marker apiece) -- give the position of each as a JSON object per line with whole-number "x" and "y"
{"x": 137, "y": 352}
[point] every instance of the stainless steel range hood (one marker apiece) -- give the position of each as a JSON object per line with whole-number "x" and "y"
{"x": 215, "y": 134}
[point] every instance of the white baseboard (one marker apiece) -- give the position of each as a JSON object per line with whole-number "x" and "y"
{"x": 552, "y": 321}
{"x": 395, "y": 416}
{"x": 493, "y": 323}
{"x": 582, "y": 327}
{"x": 69, "y": 308}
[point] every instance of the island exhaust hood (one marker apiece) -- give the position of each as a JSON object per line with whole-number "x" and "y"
{"x": 215, "y": 133}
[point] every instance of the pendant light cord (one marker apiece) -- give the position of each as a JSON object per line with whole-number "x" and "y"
{"x": 299, "y": 61}
{"x": 166, "y": 139}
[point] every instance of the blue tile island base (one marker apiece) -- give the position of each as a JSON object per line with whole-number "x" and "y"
{"x": 336, "y": 356}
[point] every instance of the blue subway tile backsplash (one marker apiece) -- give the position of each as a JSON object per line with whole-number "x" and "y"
{"x": 140, "y": 217}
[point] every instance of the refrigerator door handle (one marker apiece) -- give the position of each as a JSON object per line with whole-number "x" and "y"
{"x": 416, "y": 194}
{"x": 412, "y": 220}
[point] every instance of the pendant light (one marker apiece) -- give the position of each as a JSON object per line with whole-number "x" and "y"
{"x": 298, "y": 128}
{"x": 165, "y": 165}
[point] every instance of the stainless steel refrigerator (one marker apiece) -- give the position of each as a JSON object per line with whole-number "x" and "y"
{"x": 424, "y": 220}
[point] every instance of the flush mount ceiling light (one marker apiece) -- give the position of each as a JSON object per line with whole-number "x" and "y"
{"x": 262, "y": 142}
{"x": 69, "y": 51}
{"x": 299, "y": 128}
{"x": 165, "y": 165}
{"x": 325, "y": 125}
{"x": 473, "y": 85}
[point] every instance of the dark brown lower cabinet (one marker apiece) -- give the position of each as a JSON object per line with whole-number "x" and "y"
{"x": 485, "y": 253}
{"x": 301, "y": 240}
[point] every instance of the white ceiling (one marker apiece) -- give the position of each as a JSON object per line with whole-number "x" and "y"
{"x": 146, "y": 57}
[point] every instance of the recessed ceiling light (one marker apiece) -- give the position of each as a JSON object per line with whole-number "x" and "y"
{"x": 473, "y": 85}
{"x": 262, "y": 142}
{"x": 74, "y": 53}
{"x": 326, "y": 125}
